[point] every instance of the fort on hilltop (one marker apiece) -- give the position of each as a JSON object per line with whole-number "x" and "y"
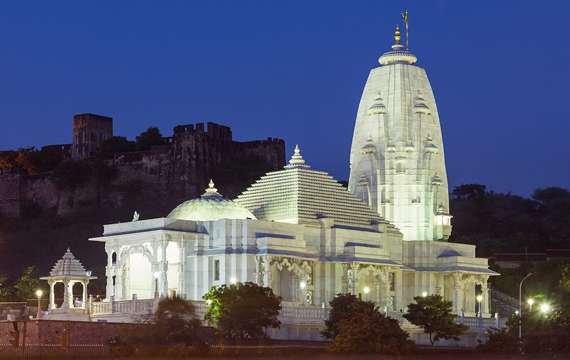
{"x": 176, "y": 170}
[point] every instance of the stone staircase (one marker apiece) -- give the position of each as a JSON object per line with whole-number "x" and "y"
{"x": 503, "y": 303}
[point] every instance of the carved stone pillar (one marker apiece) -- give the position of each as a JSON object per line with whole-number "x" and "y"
{"x": 485, "y": 294}
{"x": 457, "y": 294}
{"x": 439, "y": 285}
{"x": 386, "y": 297}
{"x": 377, "y": 284}
{"x": 163, "y": 269}
{"x": 345, "y": 278}
{"x": 181, "y": 268}
{"x": 258, "y": 266}
{"x": 109, "y": 272}
{"x": 268, "y": 281}
{"x": 355, "y": 268}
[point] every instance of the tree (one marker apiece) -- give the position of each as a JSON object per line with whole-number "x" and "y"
{"x": 344, "y": 307}
{"x": 500, "y": 341}
{"x": 243, "y": 310}
{"x": 433, "y": 314}
{"x": 29, "y": 283}
{"x": 115, "y": 144}
{"x": 178, "y": 317}
{"x": 154, "y": 334}
{"x": 369, "y": 331}
{"x": 149, "y": 138}
{"x": 6, "y": 292}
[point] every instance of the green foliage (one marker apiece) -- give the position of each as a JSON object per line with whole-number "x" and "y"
{"x": 433, "y": 314}
{"x": 499, "y": 342}
{"x": 469, "y": 192}
{"x": 149, "y": 138}
{"x": 29, "y": 283}
{"x": 115, "y": 144}
{"x": 33, "y": 160}
{"x": 174, "y": 322}
{"x": 6, "y": 292}
{"x": 367, "y": 331}
{"x": 498, "y": 222}
{"x": 243, "y": 310}
{"x": 344, "y": 307}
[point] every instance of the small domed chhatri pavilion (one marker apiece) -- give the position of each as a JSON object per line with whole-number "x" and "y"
{"x": 69, "y": 271}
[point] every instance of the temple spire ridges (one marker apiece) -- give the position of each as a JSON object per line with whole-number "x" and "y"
{"x": 211, "y": 191}
{"x": 297, "y": 160}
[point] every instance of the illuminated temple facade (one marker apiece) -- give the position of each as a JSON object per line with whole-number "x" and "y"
{"x": 301, "y": 233}
{"x": 297, "y": 231}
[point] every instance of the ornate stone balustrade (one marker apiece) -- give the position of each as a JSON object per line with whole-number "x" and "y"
{"x": 300, "y": 315}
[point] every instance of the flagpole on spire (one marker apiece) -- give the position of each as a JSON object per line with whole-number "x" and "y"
{"x": 405, "y": 16}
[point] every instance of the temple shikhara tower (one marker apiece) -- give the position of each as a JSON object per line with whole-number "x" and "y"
{"x": 397, "y": 164}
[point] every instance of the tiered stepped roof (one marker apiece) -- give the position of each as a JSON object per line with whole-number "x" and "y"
{"x": 68, "y": 266}
{"x": 299, "y": 195}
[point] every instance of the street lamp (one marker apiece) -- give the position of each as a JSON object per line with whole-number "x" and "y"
{"x": 366, "y": 290}
{"x": 424, "y": 294}
{"x": 530, "y": 302}
{"x": 39, "y": 294}
{"x": 544, "y": 308}
{"x": 479, "y": 298}
{"x": 520, "y": 305}
{"x": 233, "y": 281}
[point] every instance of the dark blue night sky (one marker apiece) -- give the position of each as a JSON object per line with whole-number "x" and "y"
{"x": 295, "y": 70}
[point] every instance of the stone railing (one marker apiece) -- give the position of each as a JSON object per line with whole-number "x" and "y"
{"x": 124, "y": 306}
{"x": 300, "y": 315}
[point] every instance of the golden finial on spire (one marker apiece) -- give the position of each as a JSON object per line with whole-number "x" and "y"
{"x": 397, "y": 37}
{"x": 405, "y": 17}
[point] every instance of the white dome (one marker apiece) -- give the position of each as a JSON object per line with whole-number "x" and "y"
{"x": 210, "y": 207}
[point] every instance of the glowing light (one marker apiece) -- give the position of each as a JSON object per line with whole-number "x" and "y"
{"x": 424, "y": 294}
{"x": 517, "y": 312}
{"x": 39, "y": 293}
{"x": 303, "y": 284}
{"x": 530, "y": 301}
{"x": 479, "y": 298}
{"x": 156, "y": 274}
{"x": 208, "y": 302}
{"x": 233, "y": 280}
{"x": 544, "y": 308}
{"x": 366, "y": 290}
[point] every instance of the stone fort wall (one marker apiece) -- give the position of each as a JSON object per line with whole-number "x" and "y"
{"x": 178, "y": 170}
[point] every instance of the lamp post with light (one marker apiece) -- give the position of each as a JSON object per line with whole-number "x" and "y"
{"x": 39, "y": 294}
{"x": 530, "y": 302}
{"x": 520, "y": 305}
{"x": 366, "y": 290}
{"x": 424, "y": 294}
{"x": 303, "y": 285}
